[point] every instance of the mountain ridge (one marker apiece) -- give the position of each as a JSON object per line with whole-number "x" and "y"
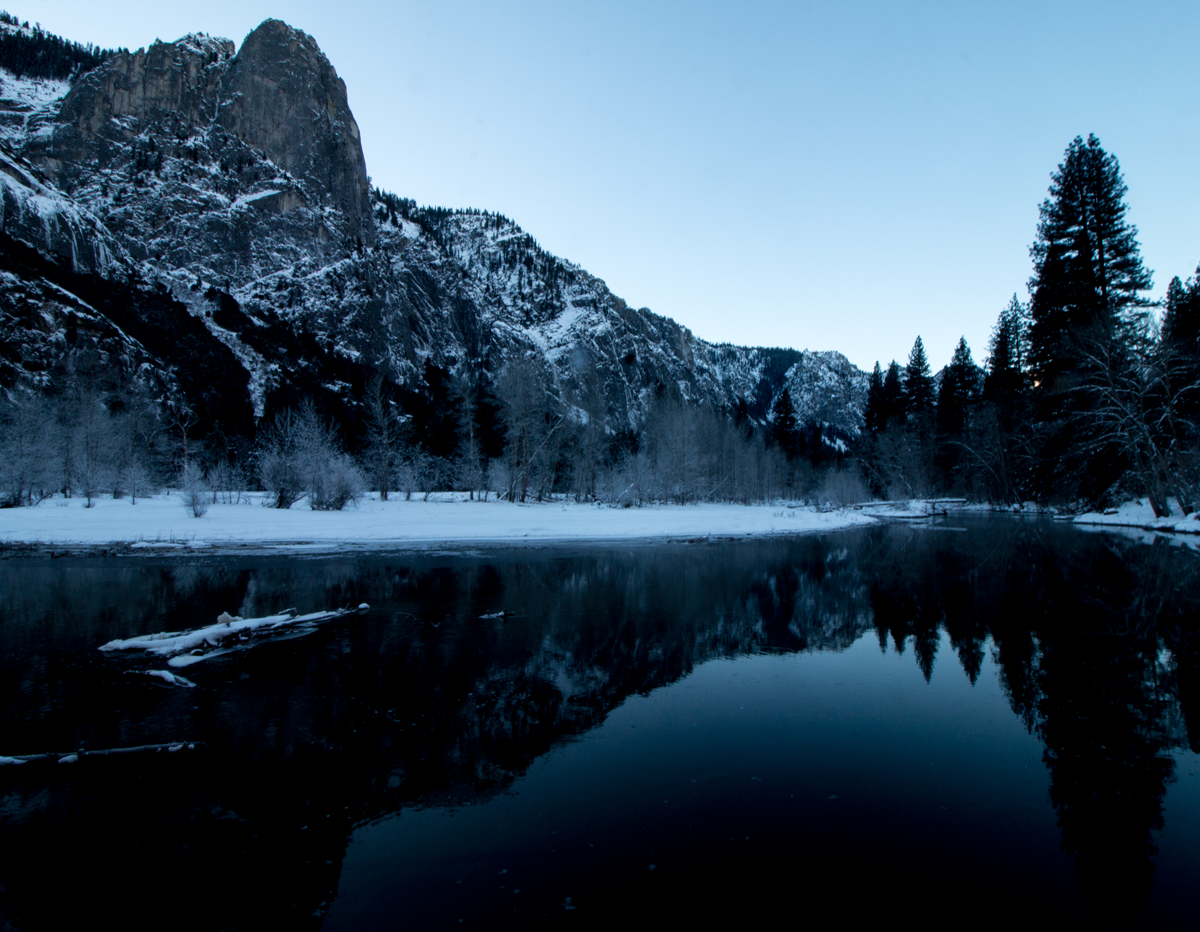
{"x": 232, "y": 184}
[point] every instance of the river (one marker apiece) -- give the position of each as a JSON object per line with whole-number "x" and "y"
{"x": 969, "y": 720}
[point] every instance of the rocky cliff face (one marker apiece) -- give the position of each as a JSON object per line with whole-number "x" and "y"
{"x": 281, "y": 96}
{"x": 232, "y": 186}
{"x": 174, "y": 81}
{"x": 231, "y": 165}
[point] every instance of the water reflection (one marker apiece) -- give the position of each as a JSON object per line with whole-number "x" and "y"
{"x": 1097, "y": 646}
{"x": 423, "y": 702}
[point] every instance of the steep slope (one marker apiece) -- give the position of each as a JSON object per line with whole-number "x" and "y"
{"x": 232, "y": 184}
{"x": 525, "y": 300}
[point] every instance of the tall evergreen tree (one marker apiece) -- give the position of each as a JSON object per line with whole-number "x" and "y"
{"x": 956, "y": 400}
{"x": 785, "y": 431}
{"x": 1177, "y": 363}
{"x": 1087, "y": 312}
{"x": 487, "y": 410}
{"x": 957, "y": 392}
{"x": 383, "y": 437}
{"x": 1181, "y": 328}
{"x": 919, "y": 392}
{"x": 893, "y": 405}
{"x": 1088, "y": 274}
{"x": 1004, "y": 382}
{"x": 874, "y": 417}
{"x": 439, "y": 413}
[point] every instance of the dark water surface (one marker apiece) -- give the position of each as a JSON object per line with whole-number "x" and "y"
{"x": 995, "y": 720}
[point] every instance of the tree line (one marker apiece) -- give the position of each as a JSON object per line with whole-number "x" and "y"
{"x": 94, "y": 429}
{"x": 1087, "y": 395}
{"x": 35, "y": 53}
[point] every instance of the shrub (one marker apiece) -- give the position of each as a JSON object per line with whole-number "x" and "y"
{"x": 194, "y": 490}
{"x": 300, "y": 455}
{"x": 842, "y": 487}
{"x": 335, "y": 483}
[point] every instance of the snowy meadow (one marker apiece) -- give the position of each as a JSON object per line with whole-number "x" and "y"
{"x": 167, "y": 521}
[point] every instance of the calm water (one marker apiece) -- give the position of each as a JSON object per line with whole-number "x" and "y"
{"x": 994, "y": 720}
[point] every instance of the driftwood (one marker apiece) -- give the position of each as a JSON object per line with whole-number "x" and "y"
{"x": 908, "y": 501}
{"x": 184, "y": 648}
{"x": 72, "y": 757}
{"x": 896, "y": 509}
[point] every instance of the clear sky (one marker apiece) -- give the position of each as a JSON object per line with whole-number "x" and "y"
{"x": 823, "y": 175}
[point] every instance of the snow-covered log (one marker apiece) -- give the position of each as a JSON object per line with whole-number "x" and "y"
{"x": 184, "y": 648}
{"x": 73, "y": 757}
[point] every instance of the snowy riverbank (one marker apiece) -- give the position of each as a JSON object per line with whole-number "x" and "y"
{"x": 1139, "y": 514}
{"x": 163, "y": 523}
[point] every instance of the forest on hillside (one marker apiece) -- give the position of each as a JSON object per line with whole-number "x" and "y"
{"x": 1090, "y": 393}
{"x": 31, "y": 52}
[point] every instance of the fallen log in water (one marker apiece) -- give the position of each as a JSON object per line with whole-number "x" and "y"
{"x": 911, "y": 509}
{"x": 184, "y": 648}
{"x": 166, "y": 677}
{"x": 73, "y": 757}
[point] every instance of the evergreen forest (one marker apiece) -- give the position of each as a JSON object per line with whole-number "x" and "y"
{"x": 34, "y": 53}
{"x": 1090, "y": 392}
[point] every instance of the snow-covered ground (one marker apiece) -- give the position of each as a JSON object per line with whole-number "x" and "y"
{"x": 1139, "y": 514}
{"x": 163, "y": 523}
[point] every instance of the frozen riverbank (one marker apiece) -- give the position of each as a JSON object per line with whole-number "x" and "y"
{"x": 1139, "y": 514}
{"x": 162, "y": 522}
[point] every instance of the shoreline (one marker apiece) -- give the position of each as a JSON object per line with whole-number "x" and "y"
{"x": 1139, "y": 515}
{"x": 161, "y": 526}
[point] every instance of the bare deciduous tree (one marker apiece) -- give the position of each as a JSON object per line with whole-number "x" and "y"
{"x": 194, "y": 490}
{"x": 26, "y": 451}
{"x": 383, "y": 437}
{"x": 532, "y": 423}
{"x": 279, "y": 460}
{"x": 92, "y": 447}
{"x": 301, "y": 456}
{"x": 1131, "y": 399}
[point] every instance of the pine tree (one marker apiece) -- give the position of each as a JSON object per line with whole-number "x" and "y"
{"x": 894, "y": 405}
{"x": 1177, "y": 361}
{"x": 957, "y": 392}
{"x": 439, "y": 415}
{"x": 1087, "y": 326}
{"x": 874, "y": 417}
{"x": 918, "y": 383}
{"x": 785, "y": 431}
{"x": 383, "y": 437}
{"x": 1181, "y": 323}
{"x": 956, "y": 401}
{"x": 1004, "y": 383}
{"x": 1088, "y": 273}
{"x": 487, "y": 410}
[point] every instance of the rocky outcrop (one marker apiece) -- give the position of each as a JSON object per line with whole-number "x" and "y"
{"x": 233, "y": 166}
{"x": 281, "y": 95}
{"x": 172, "y": 81}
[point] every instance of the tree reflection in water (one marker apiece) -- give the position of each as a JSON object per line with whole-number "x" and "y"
{"x": 424, "y": 702}
{"x": 1096, "y": 642}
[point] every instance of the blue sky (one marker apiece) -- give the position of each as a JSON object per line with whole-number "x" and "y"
{"x": 823, "y": 175}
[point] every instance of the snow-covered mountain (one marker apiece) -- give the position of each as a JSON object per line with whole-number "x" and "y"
{"x": 204, "y": 216}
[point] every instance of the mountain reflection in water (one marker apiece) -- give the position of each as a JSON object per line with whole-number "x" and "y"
{"x": 423, "y": 707}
